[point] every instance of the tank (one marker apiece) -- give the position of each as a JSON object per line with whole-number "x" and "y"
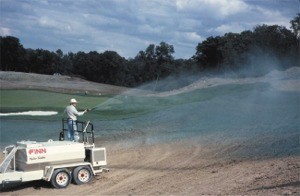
{"x": 33, "y": 155}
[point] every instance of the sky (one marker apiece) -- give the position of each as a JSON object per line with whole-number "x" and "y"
{"x": 129, "y": 26}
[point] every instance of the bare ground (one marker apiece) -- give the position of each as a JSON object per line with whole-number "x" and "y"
{"x": 180, "y": 168}
{"x": 60, "y": 83}
{"x": 184, "y": 167}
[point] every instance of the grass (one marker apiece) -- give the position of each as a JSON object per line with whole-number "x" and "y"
{"x": 25, "y": 100}
{"x": 132, "y": 106}
{"x": 44, "y": 99}
{"x": 108, "y": 107}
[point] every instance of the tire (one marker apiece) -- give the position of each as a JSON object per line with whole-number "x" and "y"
{"x": 61, "y": 178}
{"x": 82, "y": 175}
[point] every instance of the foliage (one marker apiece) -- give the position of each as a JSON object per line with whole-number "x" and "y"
{"x": 12, "y": 54}
{"x": 295, "y": 25}
{"x": 232, "y": 51}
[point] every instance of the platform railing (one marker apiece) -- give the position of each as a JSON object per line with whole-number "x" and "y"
{"x": 85, "y": 131}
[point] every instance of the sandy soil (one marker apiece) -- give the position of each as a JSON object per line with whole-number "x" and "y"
{"x": 60, "y": 83}
{"x": 180, "y": 168}
{"x": 184, "y": 167}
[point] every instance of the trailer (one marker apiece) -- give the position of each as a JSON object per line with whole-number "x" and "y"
{"x": 58, "y": 162}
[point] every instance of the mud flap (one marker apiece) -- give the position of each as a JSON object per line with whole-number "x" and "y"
{"x": 61, "y": 136}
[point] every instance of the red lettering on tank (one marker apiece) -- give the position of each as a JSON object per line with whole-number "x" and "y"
{"x": 37, "y": 151}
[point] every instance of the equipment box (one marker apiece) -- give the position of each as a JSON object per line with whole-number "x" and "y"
{"x": 97, "y": 156}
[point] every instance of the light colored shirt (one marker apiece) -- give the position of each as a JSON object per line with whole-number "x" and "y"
{"x": 72, "y": 112}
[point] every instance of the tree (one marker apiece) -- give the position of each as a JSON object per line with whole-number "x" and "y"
{"x": 12, "y": 54}
{"x": 116, "y": 72}
{"x": 296, "y": 29}
{"x": 295, "y": 25}
{"x": 164, "y": 52}
{"x": 276, "y": 40}
{"x": 208, "y": 53}
{"x": 59, "y": 53}
{"x": 154, "y": 62}
{"x": 150, "y": 52}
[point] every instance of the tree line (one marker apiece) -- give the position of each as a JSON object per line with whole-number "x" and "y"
{"x": 232, "y": 51}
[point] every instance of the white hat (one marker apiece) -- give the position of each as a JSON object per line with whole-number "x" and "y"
{"x": 73, "y": 101}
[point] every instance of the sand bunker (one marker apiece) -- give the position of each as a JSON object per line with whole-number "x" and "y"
{"x": 30, "y": 113}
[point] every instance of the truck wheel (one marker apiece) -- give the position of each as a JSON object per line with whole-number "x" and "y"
{"x": 61, "y": 178}
{"x": 82, "y": 175}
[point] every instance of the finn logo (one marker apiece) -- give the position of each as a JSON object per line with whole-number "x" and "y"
{"x": 37, "y": 151}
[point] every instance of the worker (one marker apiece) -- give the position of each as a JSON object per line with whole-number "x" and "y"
{"x": 72, "y": 114}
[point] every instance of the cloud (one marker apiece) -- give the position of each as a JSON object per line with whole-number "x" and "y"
{"x": 232, "y": 27}
{"x": 271, "y": 17}
{"x": 128, "y": 26}
{"x": 214, "y": 8}
{"x": 190, "y": 37}
{"x": 147, "y": 29}
{"x": 53, "y": 24}
{"x": 5, "y": 31}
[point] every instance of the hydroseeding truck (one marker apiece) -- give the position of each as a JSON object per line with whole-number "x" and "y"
{"x": 59, "y": 162}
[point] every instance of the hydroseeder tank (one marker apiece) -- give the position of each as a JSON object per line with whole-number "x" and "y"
{"x": 59, "y": 162}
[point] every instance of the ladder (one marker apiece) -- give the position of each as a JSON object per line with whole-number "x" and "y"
{"x": 4, "y": 165}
